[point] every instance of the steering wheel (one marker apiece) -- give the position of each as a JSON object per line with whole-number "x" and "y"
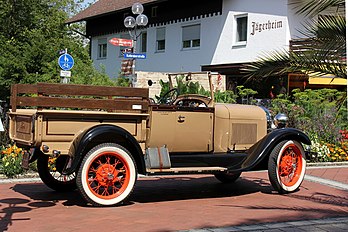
{"x": 169, "y": 97}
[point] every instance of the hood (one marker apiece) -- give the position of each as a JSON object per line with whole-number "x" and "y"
{"x": 238, "y": 111}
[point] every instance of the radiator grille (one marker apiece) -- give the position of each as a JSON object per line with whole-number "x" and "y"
{"x": 243, "y": 133}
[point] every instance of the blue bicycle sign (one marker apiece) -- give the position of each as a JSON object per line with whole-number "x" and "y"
{"x": 66, "y": 62}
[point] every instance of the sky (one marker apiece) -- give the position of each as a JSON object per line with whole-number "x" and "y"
{"x": 86, "y": 2}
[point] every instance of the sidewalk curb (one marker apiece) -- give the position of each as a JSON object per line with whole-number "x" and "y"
{"x": 330, "y": 164}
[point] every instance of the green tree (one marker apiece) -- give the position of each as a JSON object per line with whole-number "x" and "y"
{"x": 324, "y": 55}
{"x": 32, "y": 32}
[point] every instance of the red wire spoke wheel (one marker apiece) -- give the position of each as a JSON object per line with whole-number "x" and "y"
{"x": 286, "y": 166}
{"x": 107, "y": 175}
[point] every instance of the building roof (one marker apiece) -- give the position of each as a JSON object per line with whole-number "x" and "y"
{"x": 102, "y": 7}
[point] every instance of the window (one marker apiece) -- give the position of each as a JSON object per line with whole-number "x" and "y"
{"x": 241, "y": 29}
{"x": 191, "y": 36}
{"x": 154, "y": 11}
{"x": 102, "y": 48}
{"x": 143, "y": 42}
{"x": 161, "y": 39}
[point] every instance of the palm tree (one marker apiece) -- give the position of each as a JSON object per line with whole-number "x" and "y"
{"x": 324, "y": 52}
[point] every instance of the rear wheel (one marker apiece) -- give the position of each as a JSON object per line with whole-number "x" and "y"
{"x": 286, "y": 166}
{"x": 227, "y": 177}
{"x": 50, "y": 171}
{"x": 107, "y": 175}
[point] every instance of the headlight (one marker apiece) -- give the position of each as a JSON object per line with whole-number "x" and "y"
{"x": 281, "y": 120}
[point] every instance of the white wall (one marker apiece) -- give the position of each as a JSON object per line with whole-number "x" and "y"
{"x": 174, "y": 58}
{"x": 217, "y": 39}
{"x": 265, "y": 12}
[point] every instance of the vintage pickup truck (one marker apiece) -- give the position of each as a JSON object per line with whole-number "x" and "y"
{"x": 99, "y": 138}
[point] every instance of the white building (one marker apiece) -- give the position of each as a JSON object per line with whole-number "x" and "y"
{"x": 195, "y": 35}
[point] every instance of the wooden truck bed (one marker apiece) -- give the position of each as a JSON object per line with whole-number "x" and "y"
{"x": 55, "y": 114}
{"x": 43, "y": 95}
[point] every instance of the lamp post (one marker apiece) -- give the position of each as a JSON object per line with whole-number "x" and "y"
{"x": 133, "y": 24}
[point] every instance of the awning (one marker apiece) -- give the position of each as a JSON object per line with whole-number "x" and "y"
{"x": 327, "y": 81}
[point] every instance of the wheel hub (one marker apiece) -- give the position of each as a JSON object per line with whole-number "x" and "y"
{"x": 287, "y": 166}
{"x": 106, "y": 175}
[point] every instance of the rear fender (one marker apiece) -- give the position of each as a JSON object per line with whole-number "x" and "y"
{"x": 261, "y": 150}
{"x": 104, "y": 134}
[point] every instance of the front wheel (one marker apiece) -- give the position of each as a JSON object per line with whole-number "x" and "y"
{"x": 286, "y": 166}
{"x": 107, "y": 175}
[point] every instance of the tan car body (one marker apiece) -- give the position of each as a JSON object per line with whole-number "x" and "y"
{"x": 110, "y": 134}
{"x": 221, "y": 128}
{"x": 192, "y": 124}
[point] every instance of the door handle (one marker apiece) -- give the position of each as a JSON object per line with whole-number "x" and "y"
{"x": 181, "y": 119}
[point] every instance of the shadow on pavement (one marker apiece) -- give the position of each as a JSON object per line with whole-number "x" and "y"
{"x": 184, "y": 188}
{"x": 40, "y": 192}
{"x": 156, "y": 189}
{"x": 17, "y": 205}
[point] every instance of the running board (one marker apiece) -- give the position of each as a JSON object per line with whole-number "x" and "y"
{"x": 186, "y": 170}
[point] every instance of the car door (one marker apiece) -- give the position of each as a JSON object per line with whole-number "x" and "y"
{"x": 181, "y": 129}
{"x": 193, "y": 130}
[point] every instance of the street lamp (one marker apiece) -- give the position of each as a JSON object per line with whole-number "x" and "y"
{"x": 133, "y": 24}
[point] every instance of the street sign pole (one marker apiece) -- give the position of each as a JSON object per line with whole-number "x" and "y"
{"x": 132, "y": 23}
{"x": 134, "y": 77}
{"x": 66, "y": 62}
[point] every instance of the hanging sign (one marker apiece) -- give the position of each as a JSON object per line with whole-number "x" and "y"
{"x": 121, "y": 42}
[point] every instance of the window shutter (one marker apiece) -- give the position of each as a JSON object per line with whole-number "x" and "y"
{"x": 161, "y": 33}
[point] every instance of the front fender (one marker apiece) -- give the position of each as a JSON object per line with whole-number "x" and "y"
{"x": 263, "y": 148}
{"x": 110, "y": 133}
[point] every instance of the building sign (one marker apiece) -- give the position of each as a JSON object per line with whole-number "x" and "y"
{"x": 64, "y": 73}
{"x": 121, "y": 42}
{"x": 134, "y": 56}
{"x": 258, "y": 27}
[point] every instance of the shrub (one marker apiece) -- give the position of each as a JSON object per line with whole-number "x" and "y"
{"x": 11, "y": 160}
{"x": 189, "y": 87}
{"x": 319, "y": 152}
{"x": 338, "y": 152}
{"x": 321, "y": 114}
{"x": 227, "y": 96}
{"x": 317, "y": 112}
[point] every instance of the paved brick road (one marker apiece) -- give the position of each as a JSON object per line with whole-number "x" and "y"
{"x": 175, "y": 203}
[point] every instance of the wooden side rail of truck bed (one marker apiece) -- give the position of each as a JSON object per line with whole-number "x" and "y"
{"x": 45, "y": 95}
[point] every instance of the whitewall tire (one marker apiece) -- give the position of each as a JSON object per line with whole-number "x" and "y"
{"x": 287, "y": 166}
{"x": 107, "y": 175}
